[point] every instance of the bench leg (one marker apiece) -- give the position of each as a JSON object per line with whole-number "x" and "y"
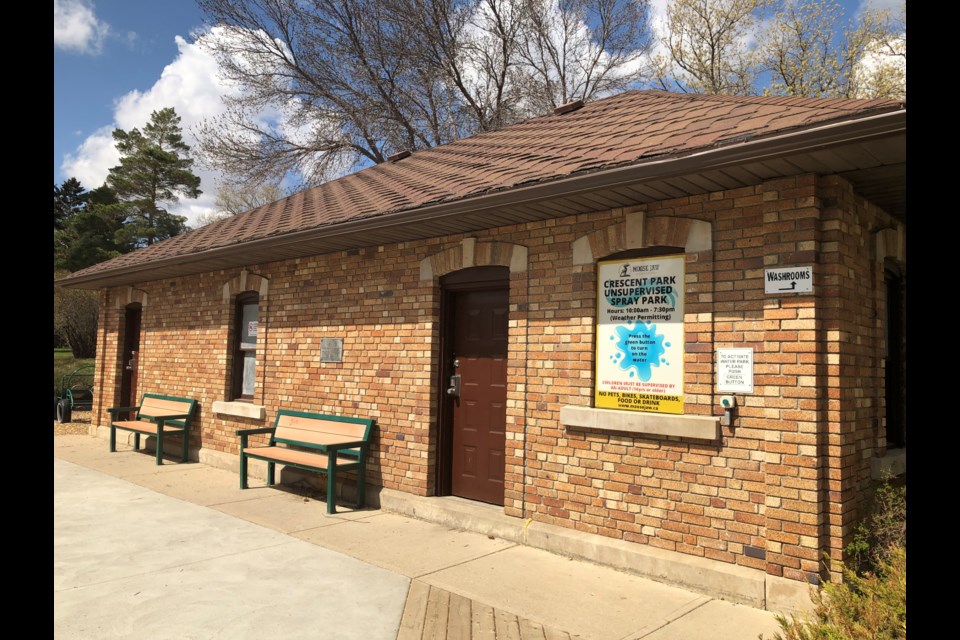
{"x": 271, "y": 468}
{"x": 159, "y": 446}
{"x": 113, "y": 439}
{"x": 361, "y": 484}
{"x": 186, "y": 442}
{"x": 243, "y": 471}
{"x": 136, "y": 442}
{"x": 331, "y": 492}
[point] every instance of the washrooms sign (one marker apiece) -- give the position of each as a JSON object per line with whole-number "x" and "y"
{"x": 789, "y": 280}
{"x": 640, "y": 339}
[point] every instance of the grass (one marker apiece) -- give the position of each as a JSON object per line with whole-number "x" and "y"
{"x": 64, "y": 363}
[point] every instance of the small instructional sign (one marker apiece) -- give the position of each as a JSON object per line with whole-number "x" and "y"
{"x": 735, "y": 370}
{"x": 788, "y": 280}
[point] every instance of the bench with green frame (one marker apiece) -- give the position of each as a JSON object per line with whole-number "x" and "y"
{"x": 157, "y": 415}
{"x": 325, "y": 444}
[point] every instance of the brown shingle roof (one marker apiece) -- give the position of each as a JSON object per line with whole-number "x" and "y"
{"x": 621, "y": 130}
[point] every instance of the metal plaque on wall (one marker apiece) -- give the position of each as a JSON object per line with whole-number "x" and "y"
{"x": 331, "y": 349}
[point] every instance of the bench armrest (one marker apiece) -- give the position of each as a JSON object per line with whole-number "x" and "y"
{"x": 243, "y": 433}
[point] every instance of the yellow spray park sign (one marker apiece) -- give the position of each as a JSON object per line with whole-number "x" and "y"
{"x": 640, "y": 339}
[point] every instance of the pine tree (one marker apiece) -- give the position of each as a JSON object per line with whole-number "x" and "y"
{"x": 155, "y": 169}
{"x": 68, "y": 199}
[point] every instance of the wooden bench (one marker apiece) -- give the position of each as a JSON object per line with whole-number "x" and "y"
{"x": 313, "y": 442}
{"x": 158, "y": 415}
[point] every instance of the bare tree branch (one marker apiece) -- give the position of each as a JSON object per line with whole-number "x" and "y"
{"x": 323, "y": 86}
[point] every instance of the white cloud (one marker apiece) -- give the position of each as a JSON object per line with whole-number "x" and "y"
{"x": 93, "y": 158}
{"x": 190, "y": 84}
{"x": 76, "y": 28}
{"x": 658, "y": 13}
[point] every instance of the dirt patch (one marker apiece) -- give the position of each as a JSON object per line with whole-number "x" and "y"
{"x": 79, "y": 424}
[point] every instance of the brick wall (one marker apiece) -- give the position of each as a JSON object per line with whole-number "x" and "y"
{"x": 853, "y": 312}
{"x": 781, "y": 485}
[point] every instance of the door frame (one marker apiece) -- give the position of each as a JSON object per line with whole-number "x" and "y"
{"x": 893, "y": 333}
{"x": 469, "y": 279}
{"x": 128, "y": 383}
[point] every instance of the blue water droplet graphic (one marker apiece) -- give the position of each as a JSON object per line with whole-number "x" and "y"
{"x": 640, "y": 347}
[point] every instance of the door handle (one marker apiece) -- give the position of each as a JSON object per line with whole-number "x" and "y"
{"x": 454, "y": 388}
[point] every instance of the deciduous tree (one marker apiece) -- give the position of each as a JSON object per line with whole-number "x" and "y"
{"x": 352, "y": 81}
{"x": 881, "y": 69}
{"x": 810, "y": 50}
{"x": 75, "y": 318}
{"x": 707, "y": 46}
{"x": 781, "y": 47}
{"x": 578, "y": 49}
{"x": 234, "y": 199}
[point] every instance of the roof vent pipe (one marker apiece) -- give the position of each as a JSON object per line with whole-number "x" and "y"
{"x": 568, "y": 107}
{"x": 399, "y": 155}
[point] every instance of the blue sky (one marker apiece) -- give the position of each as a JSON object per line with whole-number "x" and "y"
{"x": 138, "y": 44}
{"x": 110, "y": 59}
{"x": 116, "y": 61}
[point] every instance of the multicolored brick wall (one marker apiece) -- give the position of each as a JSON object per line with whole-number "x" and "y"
{"x": 779, "y": 487}
{"x": 852, "y": 303}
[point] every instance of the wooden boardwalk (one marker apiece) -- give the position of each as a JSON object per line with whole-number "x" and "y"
{"x": 436, "y": 614}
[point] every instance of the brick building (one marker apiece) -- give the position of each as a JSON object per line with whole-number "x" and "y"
{"x": 777, "y": 224}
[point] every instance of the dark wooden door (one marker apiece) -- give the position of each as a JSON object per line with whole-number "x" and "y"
{"x": 130, "y": 356}
{"x": 479, "y": 413}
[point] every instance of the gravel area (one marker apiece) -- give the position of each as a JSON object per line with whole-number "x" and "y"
{"x": 79, "y": 424}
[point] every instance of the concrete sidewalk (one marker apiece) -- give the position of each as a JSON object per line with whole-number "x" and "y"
{"x": 179, "y": 551}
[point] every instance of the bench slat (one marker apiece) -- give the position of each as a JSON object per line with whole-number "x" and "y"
{"x": 159, "y": 406}
{"x": 145, "y": 426}
{"x": 283, "y": 454}
{"x": 304, "y": 425}
{"x": 294, "y": 436}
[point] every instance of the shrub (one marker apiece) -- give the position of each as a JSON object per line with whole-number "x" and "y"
{"x": 868, "y": 607}
{"x": 884, "y": 528}
{"x": 871, "y": 602}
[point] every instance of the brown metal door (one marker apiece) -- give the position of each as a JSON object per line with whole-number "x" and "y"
{"x": 479, "y": 414}
{"x": 131, "y": 349}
